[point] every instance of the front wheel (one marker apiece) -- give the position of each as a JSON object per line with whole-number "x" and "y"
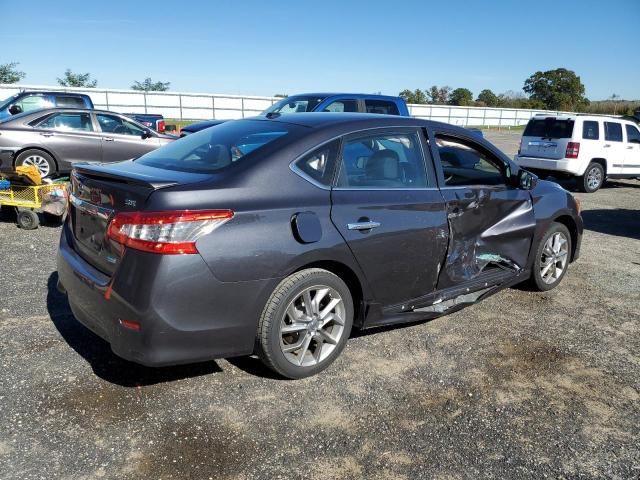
{"x": 305, "y": 323}
{"x": 552, "y": 258}
{"x": 593, "y": 178}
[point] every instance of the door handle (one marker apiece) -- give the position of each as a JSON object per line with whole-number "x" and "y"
{"x": 107, "y": 139}
{"x": 47, "y": 134}
{"x": 607, "y": 145}
{"x": 630, "y": 147}
{"x": 363, "y": 225}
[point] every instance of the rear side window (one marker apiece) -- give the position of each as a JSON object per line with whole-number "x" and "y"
{"x": 69, "y": 102}
{"x": 68, "y": 121}
{"x": 381, "y": 106}
{"x": 214, "y": 149}
{"x": 612, "y": 131}
{"x": 384, "y": 160}
{"x": 590, "y": 130}
{"x": 341, "y": 106}
{"x": 633, "y": 135}
{"x": 549, "y": 128}
{"x": 319, "y": 164}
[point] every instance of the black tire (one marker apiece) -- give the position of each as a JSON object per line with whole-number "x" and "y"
{"x": 270, "y": 338}
{"x": 28, "y": 220}
{"x": 586, "y": 182}
{"x": 537, "y": 281}
{"x": 48, "y": 161}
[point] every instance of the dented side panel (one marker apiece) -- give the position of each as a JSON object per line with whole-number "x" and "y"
{"x": 489, "y": 227}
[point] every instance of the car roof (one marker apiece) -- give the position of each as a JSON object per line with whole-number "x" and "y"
{"x": 344, "y": 94}
{"x": 321, "y": 119}
{"x": 48, "y": 92}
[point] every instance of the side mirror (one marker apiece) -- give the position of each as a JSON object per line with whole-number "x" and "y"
{"x": 526, "y": 180}
{"x": 15, "y": 109}
{"x": 146, "y": 134}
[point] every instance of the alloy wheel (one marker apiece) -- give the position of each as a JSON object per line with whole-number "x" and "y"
{"x": 554, "y": 258}
{"x": 312, "y": 326}
{"x": 39, "y": 162}
{"x": 594, "y": 178}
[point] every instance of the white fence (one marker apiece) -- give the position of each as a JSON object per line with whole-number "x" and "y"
{"x": 199, "y": 106}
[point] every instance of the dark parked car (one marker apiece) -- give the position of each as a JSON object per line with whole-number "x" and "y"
{"x": 277, "y": 236}
{"x": 29, "y": 101}
{"x": 323, "y": 102}
{"x": 54, "y": 139}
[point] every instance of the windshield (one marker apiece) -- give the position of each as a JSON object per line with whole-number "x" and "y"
{"x": 296, "y": 104}
{"x": 549, "y": 128}
{"x": 7, "y": 101}
{"x": 213, "y": 149}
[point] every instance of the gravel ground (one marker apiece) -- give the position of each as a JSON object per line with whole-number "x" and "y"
{"x": 523, "y": 385}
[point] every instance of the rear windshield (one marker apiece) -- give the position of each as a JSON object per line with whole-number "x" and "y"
{"x": 295, "y": 104}
{"x": 549, "y": 128}
{"x": 213, "y": 149}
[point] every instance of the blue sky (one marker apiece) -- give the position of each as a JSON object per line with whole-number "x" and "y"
{"x": 268, "y": 47}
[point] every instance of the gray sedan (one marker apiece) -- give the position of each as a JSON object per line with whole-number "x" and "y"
{"x": 54, "y": 139}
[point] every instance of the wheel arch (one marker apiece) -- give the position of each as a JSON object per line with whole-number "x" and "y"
{"x": 601, "y": 161}
{"x": 571, "y": 225}
{"x": 348, "y": 276}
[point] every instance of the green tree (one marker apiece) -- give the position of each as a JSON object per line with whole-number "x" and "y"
{"x": 416, "y": 96}
{"x": 558, "y": 89}
{"x": 149, "y": 85}
{"x": 71, "y": 79}
{"x": 9, "y": 74}
{"x": 461, "y": 96}
{"x": 439, "y": 95}
{"x": 489, "y": 98}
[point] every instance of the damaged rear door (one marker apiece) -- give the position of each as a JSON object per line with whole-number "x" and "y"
{"x": 491, "y": 221}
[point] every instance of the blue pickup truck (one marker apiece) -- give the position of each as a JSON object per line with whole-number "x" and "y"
{"x": 324, "y": 102}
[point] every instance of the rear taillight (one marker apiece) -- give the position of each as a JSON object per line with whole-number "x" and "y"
{"x": 160, "y": 126}
{"x": 169, "y": 233}
{"x": 573, "y": 149}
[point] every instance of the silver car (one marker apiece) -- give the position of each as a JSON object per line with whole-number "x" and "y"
{"x": 54, "y": 139}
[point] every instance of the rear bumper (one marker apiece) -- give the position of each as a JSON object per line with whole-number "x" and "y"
{"x": 185, "y": 314}
{"x": 568, "y": 166}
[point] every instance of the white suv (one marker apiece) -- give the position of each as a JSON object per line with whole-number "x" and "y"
{"x": 590, "y": 147}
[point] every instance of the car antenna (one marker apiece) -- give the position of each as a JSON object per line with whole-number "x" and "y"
{"x": 272, "y": 115}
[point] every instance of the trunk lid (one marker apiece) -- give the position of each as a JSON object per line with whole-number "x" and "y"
{"x": 98, "y": 192}
{"x": 547, "y": 137}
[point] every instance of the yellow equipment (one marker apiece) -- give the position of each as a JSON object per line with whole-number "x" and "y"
{"x": 27, "y": 199}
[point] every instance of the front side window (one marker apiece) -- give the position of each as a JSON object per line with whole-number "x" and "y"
{"x": 381, "y": 106}
{"x": 117, "y": 125}
{"x": 612, "y": 131}
{"x": 633, "y": 135}
{"x": 69, "y": 102}
{"x": 341, "y": 106}
{"x": 590, "y": 130}
{"x": 31, "y": 103}
{"x": 390, "y": 160}
{"x": 214, "y": 149}
{"x": 464, "y": 163}
{"x": 68, "y": 122}
{"x": 318, "y": 165}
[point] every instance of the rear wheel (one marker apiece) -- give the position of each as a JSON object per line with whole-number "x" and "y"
{"x": 552, "y": 258}
{"x": 305, "y": 323}
{"x": 593, "y": 178}
{"x": 39, "y": 159}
